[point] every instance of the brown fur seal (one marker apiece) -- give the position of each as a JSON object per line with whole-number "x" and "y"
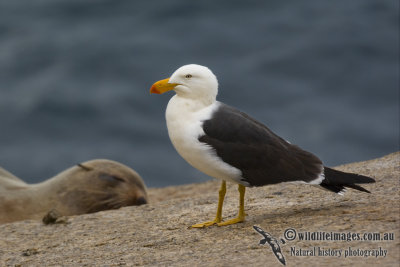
{"x": 88, "y": 187}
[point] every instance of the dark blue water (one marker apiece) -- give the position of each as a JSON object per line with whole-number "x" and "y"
{"x": 75, "y": 78}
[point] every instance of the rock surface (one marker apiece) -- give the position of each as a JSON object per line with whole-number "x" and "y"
{"x": 159, "y": 233}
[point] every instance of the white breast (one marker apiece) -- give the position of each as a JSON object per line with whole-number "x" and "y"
{"x": 184, "y": 121}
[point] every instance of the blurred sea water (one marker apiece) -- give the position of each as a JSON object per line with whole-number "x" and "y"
{"x": 75, "y": 78}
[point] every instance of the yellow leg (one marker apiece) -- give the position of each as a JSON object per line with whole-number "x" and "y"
{"x": 241, "y": 215}
{"x": 218, "y": 217}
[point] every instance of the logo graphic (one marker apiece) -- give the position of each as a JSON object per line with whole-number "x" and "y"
{"x": 273, "y": 242}
{"x": 291, "y": 234}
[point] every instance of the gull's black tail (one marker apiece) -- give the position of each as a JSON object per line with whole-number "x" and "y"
{"x": 336, "y": 181}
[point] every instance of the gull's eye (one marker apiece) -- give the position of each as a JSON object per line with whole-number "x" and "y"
{"x": 188, "y": 76}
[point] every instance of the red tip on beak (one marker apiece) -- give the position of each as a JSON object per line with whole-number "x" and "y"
{"x": 154, "y": 90}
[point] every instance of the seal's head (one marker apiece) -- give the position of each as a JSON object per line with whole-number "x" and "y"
{"x": 101, "y": 185}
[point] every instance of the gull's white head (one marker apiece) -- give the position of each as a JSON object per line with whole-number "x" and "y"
{"x": 190, "y": 81}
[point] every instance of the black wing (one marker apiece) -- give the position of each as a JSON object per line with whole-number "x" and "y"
{"x": 262, "y": 156}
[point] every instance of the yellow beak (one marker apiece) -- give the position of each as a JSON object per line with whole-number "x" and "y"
{"x": 162, "y": 86}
